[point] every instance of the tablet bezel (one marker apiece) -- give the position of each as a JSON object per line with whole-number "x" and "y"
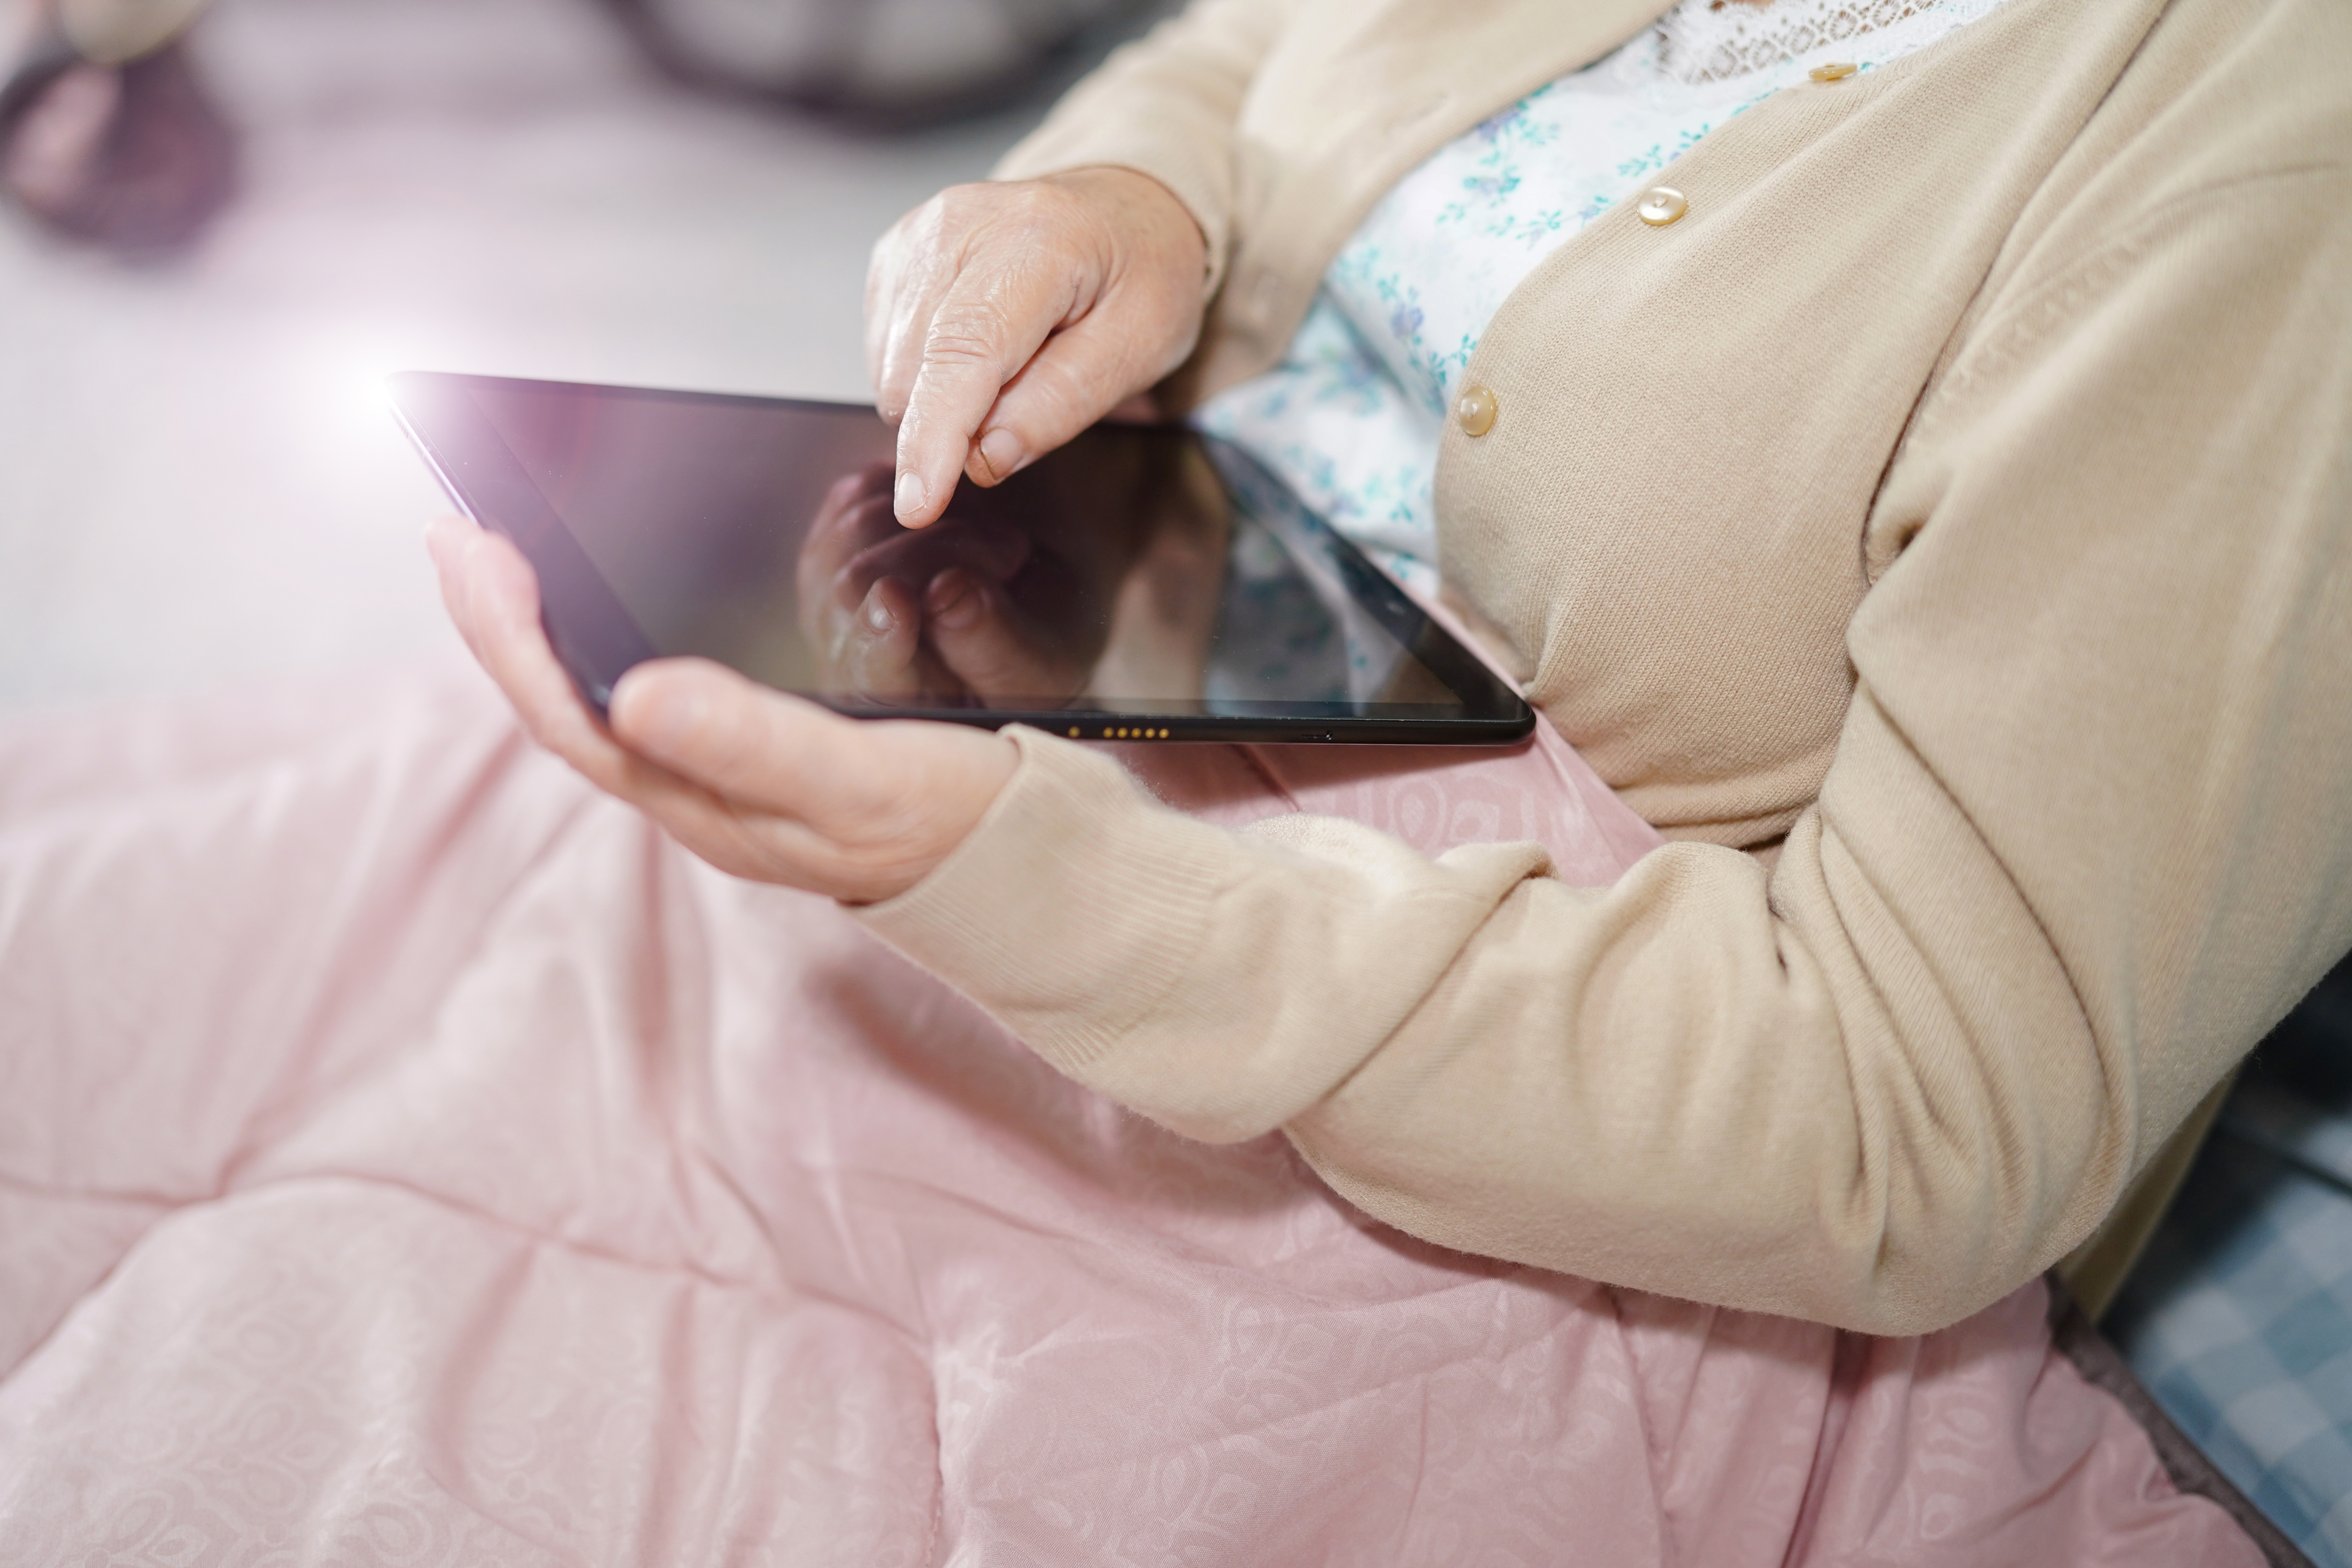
{"x": 597, "y": 640}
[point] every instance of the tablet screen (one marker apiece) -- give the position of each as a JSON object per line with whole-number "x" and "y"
{"x": 1136, "y": 573}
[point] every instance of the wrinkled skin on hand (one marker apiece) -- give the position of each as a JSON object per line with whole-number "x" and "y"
{"x": 1001, "y": 319}
{"x": 1004, "y": 317}
{"x": 760, "y": 784}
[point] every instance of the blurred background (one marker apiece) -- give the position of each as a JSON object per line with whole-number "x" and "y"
{"x": 200, "y": 485}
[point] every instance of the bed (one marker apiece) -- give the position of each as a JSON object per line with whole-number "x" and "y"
{"x": 408, "y": 1157}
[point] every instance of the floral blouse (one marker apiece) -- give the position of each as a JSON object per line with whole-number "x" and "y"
{"x": 1349, "y": 419}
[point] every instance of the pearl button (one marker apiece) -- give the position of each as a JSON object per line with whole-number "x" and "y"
{"x": 1475, "y": 411}
{"x": 1836, "y": 71}
{"x": 1661, "y": 206}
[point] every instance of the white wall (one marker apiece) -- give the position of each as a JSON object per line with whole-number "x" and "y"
{"x": 198, "y": 485}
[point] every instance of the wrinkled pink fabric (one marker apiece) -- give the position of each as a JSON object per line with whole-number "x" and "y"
{"x": 406, "y": 1156}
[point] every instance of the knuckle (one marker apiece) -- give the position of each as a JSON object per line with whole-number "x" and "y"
{"x": 965, "y": 334}
{"x": 1045, "y": 196}
{"x": 1029, "y": 197}
{"x": 958, "y": 207}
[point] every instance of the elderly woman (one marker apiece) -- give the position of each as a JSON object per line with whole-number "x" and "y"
{"x": 1900, "y": 444}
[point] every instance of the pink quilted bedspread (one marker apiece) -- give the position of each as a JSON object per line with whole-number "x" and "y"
{"x": 406, "y": 1156}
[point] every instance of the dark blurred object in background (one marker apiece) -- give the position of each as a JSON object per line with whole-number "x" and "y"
{"x": 887, "y": 64}
{"x": 106, "y": 134}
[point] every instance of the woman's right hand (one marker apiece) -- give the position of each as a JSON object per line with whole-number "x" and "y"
{"x": 1001, "y": 319}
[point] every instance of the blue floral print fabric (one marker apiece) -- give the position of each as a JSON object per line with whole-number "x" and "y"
{"x": 1349, "y": 419}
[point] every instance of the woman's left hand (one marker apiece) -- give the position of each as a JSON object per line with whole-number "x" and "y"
{"x": 759, "y": 783}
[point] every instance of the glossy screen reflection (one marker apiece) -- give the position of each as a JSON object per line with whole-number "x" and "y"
{"x": 1136, "y": 570}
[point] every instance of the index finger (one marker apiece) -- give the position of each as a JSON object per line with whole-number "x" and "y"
{"x": 988, "y": 324}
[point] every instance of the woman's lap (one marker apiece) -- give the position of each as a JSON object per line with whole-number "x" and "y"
{"x": 404, "y": 1153}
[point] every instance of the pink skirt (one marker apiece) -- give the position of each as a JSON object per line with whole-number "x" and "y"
{"x": 408, "y": 1156}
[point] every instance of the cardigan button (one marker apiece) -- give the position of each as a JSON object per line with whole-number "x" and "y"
{"x": 1661, "y": 205}
{"x": 1836, "y": 71}
{"x": 1475, "y": 411}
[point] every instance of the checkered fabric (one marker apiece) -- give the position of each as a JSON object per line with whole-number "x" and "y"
{"x": 2239, "y": 1319}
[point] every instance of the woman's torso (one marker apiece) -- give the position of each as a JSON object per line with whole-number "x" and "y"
{"x": 1665, "y": 530}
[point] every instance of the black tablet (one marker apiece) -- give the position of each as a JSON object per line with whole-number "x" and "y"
{"x": 1142, "y": 582}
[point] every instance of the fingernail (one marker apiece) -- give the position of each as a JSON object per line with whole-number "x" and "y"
{"x": 1000, "y": 450}
{"x": 909, "y": 498}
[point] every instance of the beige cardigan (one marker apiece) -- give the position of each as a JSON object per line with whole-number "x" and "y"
{"x": 1957, "y": 499}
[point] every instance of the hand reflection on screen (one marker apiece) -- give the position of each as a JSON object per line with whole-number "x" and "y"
{"x": 1005, "y": 601}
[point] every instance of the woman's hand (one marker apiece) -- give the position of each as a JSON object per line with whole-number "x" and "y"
{"x": 759, "y": 785}
{"x": 1003, "y": 319}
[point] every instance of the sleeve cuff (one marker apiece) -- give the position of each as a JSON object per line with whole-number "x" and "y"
{"x": 1071, "y": 910}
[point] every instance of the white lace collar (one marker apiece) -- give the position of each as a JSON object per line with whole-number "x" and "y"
{"x": 1712, "y": 41}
